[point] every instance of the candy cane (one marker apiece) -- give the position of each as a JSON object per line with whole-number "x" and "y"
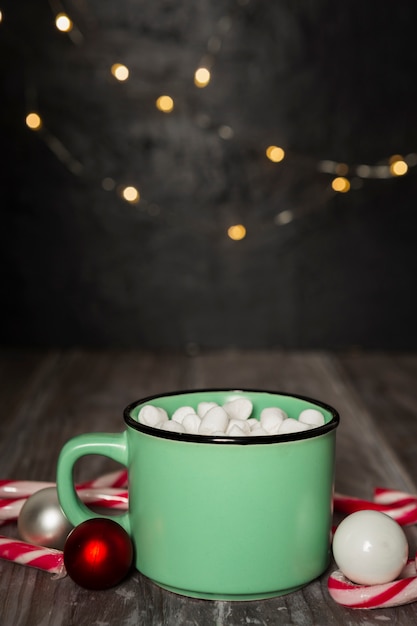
{"x": 25, "y": 488}
{"x": 46, "y": 559}
{"x": 392, "y": 496}
{"x": 396, "y": 593}
{"x": 21, "y": 488}
{"x": 109, "y": 498}
{"x": 403, "y": 510}
{"x": 113, "y": 479}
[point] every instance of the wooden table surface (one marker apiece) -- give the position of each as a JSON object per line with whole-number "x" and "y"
{"x": 48, "y": 397}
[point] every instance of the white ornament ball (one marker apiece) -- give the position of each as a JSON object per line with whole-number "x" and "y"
{"x": 370, "y": 548}
{"x": 41, "y": 520}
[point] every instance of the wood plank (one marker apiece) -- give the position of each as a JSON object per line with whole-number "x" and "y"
{"x": 55, "y": 396}
{"x": 20, "y": 375}
{"x": 387, "y": 386}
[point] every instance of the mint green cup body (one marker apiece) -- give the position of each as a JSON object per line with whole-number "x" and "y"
{"x": 236, "y": 518}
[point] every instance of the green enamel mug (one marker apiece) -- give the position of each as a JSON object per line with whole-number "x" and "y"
{"x": 217, "y": 517}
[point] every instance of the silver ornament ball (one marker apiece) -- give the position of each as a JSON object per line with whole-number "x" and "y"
{"x": 41, "y": 520}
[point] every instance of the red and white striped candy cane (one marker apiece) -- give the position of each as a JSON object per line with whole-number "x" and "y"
{"x": 392, "y": 496}
{"x": 106, "y": 491}
{"x": 46, "y": 559}
{"x": 117, "y": 479}
{"x": 24, "y": 488}
{"x": 403, "y": 510}
{"x": 398, "y": 592}
{"x": 21, "y": 488}
{"x": 108, "y": 498}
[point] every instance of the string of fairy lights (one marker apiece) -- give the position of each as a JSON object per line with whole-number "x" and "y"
{"x": 343, "y": 177}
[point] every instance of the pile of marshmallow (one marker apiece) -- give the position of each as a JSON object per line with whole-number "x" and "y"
{"x": 232, "y": 419}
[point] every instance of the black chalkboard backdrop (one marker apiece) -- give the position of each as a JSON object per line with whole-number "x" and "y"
{"x": 332, "y": 83}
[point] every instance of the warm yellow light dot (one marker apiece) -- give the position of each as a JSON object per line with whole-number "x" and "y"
{"x": 236, "y": 232}
{"x": 33, "y": 121}
{"x": 340, "y": 184}
{"x": 131, "y": 194}
{"x": 120, "y": 71}
{"x": 398, "y": 168}
{"x": 63, "y": 22}
{"x": 165, "y": 104}
{"x": 1, "y": 16}
{"x": 275, "y": 154}
{"x": 202, "y": 77}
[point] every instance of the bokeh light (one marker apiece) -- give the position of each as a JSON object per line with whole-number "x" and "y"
{"x": 285, "y": 217}
{"x": 225, "y": 132}
{"x": 398, "y": 168}
{"x": 364, "y": 171}
{"x": 202, "y": 77}
{"x": 236, "y": 232}
{"x": 341, "y": 169}
{"x": 131, "y": 194}
{"x": 165, "y": 104}
{"x": 33, "y": 121}
{"x": 120, "y": 71}
{"x": 108, "y": 183}
{"x": 340, "y": 184}
{"x": 63, "y": 23}
{"x": 275, "y": 154}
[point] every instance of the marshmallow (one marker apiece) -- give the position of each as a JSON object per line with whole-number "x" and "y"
{"x": 291, "y": 425}
{"x": 241, "y": 424}
{"x": 240, "y": 408}
{"x": 174, "y": 427}
{"x": 181, "y": 412}
{"x": 232, "y": 419}
{"x": 272, "y": 418}
{"x": 259, "y": 431}
{"x": 152, "y": 415}
{"x": 312, "y": 417}
{"x": 236, "y": 431}
{"x": 191, "y": 423}
{"x": 203, "y": 407}
{"x": 214, "y": 420}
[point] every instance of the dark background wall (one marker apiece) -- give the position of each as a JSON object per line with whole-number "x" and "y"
{"x": 327, "y": 81}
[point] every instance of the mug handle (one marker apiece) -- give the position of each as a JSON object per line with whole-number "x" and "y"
{"x": 111, "y": 445}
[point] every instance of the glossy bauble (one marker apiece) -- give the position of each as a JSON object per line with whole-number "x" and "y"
{"x": 370, "y": 548}
{"x": 98, "y": 554}
{"x": 41, "y": 520}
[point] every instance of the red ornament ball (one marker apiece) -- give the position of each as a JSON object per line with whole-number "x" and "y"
{"x": 98, "y": 554}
